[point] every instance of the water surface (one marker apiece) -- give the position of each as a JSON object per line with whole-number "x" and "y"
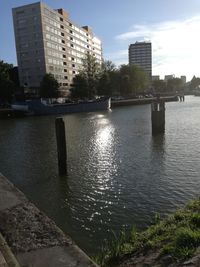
{"x": 118, "y": 174}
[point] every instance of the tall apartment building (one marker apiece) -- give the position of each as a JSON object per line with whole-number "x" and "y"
{"x": 140, "y": 54}
{"x": 183, "y": 79}
{"x": 47, "y": 41}
{"x": 169, "y": 77}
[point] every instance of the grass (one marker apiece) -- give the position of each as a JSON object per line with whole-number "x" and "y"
{"x": 178, "y": 235}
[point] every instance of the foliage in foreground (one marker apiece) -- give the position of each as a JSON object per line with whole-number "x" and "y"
{"x": 178, "y": 235}
{"x": 49, "y": 86}
{"x": 107, "y": 80}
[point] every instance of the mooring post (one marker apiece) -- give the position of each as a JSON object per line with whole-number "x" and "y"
{"x": 61, "y": 146}
{"x": 158, "y": 117}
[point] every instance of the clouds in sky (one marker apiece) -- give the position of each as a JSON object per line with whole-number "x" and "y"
{"x": 175, "y": 46}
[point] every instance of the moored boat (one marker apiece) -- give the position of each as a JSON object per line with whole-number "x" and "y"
{"x": 40, "y": 107}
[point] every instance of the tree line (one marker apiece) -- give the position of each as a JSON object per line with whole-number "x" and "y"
{"x": 108, "y": 80}
{"x": 94, "y": 80}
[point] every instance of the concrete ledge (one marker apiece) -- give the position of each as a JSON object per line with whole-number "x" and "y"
{"x": 35, "y": 239}
{"x": 7, "y": 259}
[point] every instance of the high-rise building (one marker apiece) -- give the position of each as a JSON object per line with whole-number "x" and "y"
{"x": 155, "y": 77}
{"x": 47, "y": 41}
{"x": 140, "y": 54}
{"x": 183, "y": 79}
{"x": 169, "y": 77}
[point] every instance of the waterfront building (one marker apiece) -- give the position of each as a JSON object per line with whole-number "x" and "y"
{"x": 183, "y": 79}
{"x": 155, "y": 77}
{"x": 47, "y": 41}
{"x": 140, "y": 54}
{"x": 169, "y": 77}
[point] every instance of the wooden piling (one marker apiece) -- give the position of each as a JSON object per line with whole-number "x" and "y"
{"x": 158, "y": 117}
{"x": 61, "y": 146}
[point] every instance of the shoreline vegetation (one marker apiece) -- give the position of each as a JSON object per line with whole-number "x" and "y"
{"x": 173, "y": 241}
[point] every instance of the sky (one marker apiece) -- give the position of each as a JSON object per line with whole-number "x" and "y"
{"x": 172, "y": 26}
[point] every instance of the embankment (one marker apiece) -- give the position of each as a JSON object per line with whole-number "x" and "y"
{"x": 173, "y": 241}
{"x": 33, "y": 238}
{"x": 142, "y": 101}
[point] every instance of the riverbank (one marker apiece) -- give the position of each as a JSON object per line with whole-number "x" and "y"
{"x": 33, "y": 238}
{"x": 140, "y": 101}
{"x": 10, "y": 113}
{"x": 174, "y": 242}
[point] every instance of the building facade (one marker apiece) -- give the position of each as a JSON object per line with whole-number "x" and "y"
{"x": 155, "y": 77}
{"x": 169, "y": 77}
{"x": 183, "y": 79}
{"x": 140, "y": 54}
{"x": 47, "y": 41}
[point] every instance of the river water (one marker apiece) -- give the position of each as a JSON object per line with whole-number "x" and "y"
{"x": 118, "y": 174}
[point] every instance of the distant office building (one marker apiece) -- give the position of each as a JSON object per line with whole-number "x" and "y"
{"x": 47, "y": 41}
{"x": 183, "y": 79}
{"x": 140, "y": 54}
{"x": 155, "y": 77}
{"x": 169, "y": 77}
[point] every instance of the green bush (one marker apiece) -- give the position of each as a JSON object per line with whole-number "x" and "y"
{"x": 195, "y": 220}
{"x": 186, "y": 238}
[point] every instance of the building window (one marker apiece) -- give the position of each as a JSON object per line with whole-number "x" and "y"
{"x": 65, "y": 63}
{"x": 74, "y": 72}
{"x": 72, "y": 58}
{"x": 63, "y": 41}
{"x": 35, "y": 18}
{"x": 65, "y": 77}
{"x": 63, "y": 49}
{"x": 21, "y": 21}
{"x": 61, "y": 26}
{"x": 64, "y": 56}
{"x": 61, "y": 19}
{"x": 73, "y": 65}
{"x": 71, "y": 38}
{"x": 20, "y": 12}
{"x": 65, "y": 70}
{"x": 70, "y": 24}
{"x": 62, "y": 34}
{"x": 71, "y": 31}
{"x": 72, "y": 45}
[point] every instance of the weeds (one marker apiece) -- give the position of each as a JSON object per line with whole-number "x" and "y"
{"x": 178, "y": 235}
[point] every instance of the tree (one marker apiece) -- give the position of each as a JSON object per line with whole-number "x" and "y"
{"x": 133, "y": 80}
{"x": 195, "y": 83}
{"x": 106, "y": 78}
{"x": 159, "y": 86}
{"x": 175, "y": 84}
{"x": 80, "y": 87}
{"x": 108, "y": 66}
{"x": 49, "y": 86}
{"x": 115, "y": 82}
{"x": 4, "y": 70}
{"x": 87, "y": 79}
{"x": 14, "y": 76}
{"x": 6, "y": 85}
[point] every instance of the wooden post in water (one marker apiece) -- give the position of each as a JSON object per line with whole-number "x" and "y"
{"x": 61, "y": 146}
{"x": 158, "y": 117}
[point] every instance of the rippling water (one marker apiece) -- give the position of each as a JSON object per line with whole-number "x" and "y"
{"x": 118, "y": 174}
